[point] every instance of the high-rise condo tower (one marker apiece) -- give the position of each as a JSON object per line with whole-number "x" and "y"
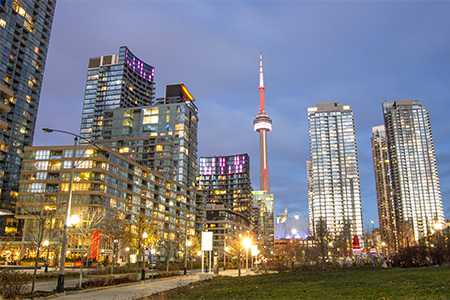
{"x": 416, "y": 193}
{"x": 25, "y": 28}
{"x": 333, "y": 173}
{"x": 114, "y": 81}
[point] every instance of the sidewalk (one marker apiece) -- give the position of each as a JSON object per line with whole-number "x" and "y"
{"x": 138, "y": 290}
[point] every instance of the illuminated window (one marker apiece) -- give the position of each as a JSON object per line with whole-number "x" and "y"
{"x": 2, "y": 23}
{"x": 150, "y": 119}
{"x": 159, "y": 148}
{"x": 124, "y": 150}
{"x": 151, "y": 111}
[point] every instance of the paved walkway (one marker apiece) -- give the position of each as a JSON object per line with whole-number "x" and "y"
{"x": 138, "y": 290}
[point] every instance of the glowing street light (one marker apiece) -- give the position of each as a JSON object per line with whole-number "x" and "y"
{"x": 153, "y": 251}
{"x": 225, "y": 257}
{"x": 46, "y": 260}
{"x": 74, "y": 220}
{"x": 144, "y": 236}
{"x": 60, "y": 284}
{"x": 247, "y": 244}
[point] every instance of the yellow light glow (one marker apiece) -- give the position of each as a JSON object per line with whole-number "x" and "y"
{"x": 187, "y": 92}
{"x": 247, "y": 243}
{"x": 74, "y": 220}
{"x": 438, "y": 226}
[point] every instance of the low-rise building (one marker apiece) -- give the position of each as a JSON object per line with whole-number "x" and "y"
{"x": 104, "y": 180}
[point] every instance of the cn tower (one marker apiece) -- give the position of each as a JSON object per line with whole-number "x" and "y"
{"x": 262, "y": 124}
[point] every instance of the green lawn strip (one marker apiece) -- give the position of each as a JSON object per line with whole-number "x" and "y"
{"x": 417, "y": 283}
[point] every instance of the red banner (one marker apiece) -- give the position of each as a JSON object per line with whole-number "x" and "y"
{"x": 95, "y": 242}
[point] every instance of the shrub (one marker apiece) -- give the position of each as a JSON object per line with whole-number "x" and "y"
{"x": 107, "y": 281}
{"x": 415, "y": 256}
{"x": 13, "y": 283}
{"x": 129, "y": 268}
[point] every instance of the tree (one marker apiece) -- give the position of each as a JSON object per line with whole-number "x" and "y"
{"x": 170, "y": 247}
{"x": 134, "y": 233}
{"x": 405, "y": 234}
{"x": 90, "y": 220}
{"x": 114, "y": 231}
{"x": 194, "y": 247}
{"x": 39, "y": 226}
{"x": 343, "y": 240}
{"x": 322, "y": 238}
{"x": 288, "y": 252}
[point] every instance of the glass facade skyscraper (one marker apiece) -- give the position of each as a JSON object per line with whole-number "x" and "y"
{"x": 25, "y": 28}
{"x": 162, "y": 137}
{"x": 333, "y": 173}
{"x": 414, "y": 177}
{"x": 265, "y": 227}
{"x": 226, "y": 180}
{"x": 114, "y": 81}
{"x": 383, "y": 187}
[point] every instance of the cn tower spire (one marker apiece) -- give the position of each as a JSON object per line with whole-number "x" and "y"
{"x": 262, "y": 124}
{"x": 261, "y": 86}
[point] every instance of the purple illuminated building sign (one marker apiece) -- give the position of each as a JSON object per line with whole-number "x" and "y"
{"x": 139, "y": 67}
{"x": 224, "y": 167}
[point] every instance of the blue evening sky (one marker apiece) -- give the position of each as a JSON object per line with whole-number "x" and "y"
{"x": 354, "y": 52}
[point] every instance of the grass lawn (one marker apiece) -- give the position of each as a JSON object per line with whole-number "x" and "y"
{"x": 373, "y": 283}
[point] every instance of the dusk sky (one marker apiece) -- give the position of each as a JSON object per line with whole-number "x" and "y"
{"x": 359, "y": 53}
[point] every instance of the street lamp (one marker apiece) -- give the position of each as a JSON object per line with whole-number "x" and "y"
{"x": 153, "y": 251}
{"x": 46, "y": 260}
{"x": 225, "y": 257}
{"x": 239, "y": 257}
{"x": 115, "y": 243}
{"x": 189, "y": 244}
{"x": 247, "y": 244}
{"x": 60, "y": 284}
{"x": 185, "y": 244}
{"x": 144, "y": 236}
{"x": 62, "y": 263}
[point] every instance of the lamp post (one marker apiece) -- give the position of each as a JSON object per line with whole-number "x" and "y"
{"x": 115, "y": 242}
{"x": 144, "y": 236}
{"x": 185, "y": 245}
{"x": 62, "y": 262}
{"x": 60, "y": 284}
{"x": 239, "y": 257}
{"x": 127, "y": 250}
{"x": 225, "y": 257}
{"x": 247, "y": 244}
{"x": 189, "y": 244}
{"x": 46, "y": 260}
{"x": 153, "y": 251}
